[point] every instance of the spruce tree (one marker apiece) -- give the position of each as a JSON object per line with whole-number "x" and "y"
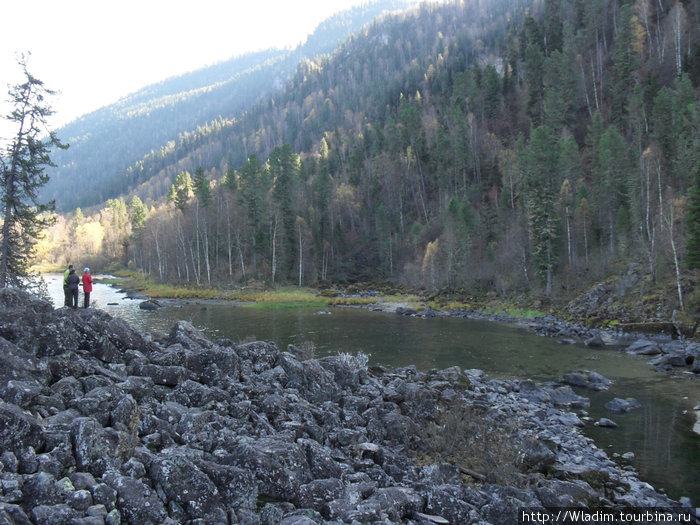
{"x": 22, "y": 165}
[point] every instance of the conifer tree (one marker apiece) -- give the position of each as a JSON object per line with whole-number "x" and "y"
{"x": 181, "y": 190}
{"x": 284, "y": 167}
{"x": 22, "y": 165}
{"x": 540, "y": 166}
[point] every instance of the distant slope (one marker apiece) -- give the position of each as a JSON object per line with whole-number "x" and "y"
{"x": 342, "y": 95}
{"x": 103, "y": 144}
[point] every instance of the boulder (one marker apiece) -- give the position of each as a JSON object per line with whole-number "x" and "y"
{"x": 595, "y": 342}
{"x": 622, "y": 405}
{"x": 150, "y": 304}
{"x": 644, "y": 347}
{"x": 19, "y": 431}
{"x": 606, "y": 423}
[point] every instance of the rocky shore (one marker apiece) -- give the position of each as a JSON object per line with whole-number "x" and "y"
{"x": 101, "y": 424}
{"x": 666, "y": 353}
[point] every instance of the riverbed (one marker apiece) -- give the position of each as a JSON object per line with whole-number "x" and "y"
{"x": 666, "y": 452}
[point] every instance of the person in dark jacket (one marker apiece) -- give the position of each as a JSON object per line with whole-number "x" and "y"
{"x": 87, "y": 286}
{"x": 72, "y": 282}
{"x": 66, "y": 294}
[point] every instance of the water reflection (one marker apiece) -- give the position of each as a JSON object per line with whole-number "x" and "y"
{"x": 667, "y": 453}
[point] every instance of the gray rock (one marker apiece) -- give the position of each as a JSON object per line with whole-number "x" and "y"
{"x": 564, "y": 396}
{"x": 53, "y": 514}
{"x": 136, "y": 502}
{"x": 670, "y": 360}
{"x": 622, "y": 405}
{"x": 318, "y": 492}
{"x": 150, "y": 305}
{"x": 587, "y": 379}
{"x": 189, "y": 487}
{"x": 18, "y": 430}
{"x": 695, "y": 366}
{"x": 644, "y": 347}
{"x": 595, "y": 342}
{"x": 606, "y": 423}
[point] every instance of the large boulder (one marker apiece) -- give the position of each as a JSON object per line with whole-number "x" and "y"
{"x": 19, "y": 431}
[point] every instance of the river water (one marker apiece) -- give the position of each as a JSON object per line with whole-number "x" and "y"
{"x": 666, "y": 451}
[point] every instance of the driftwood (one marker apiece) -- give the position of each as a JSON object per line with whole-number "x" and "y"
{"x": 473, "y": 473}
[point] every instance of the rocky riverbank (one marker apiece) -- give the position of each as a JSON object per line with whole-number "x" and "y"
{"x": 101, "y": 424}
{"x": 666, "y": 353}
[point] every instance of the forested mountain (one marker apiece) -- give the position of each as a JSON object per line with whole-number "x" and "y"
{"x": 106, "y": 142}
{"x": 501, "y": 145}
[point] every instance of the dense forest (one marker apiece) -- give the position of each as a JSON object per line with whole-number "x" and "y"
{"x": 496, "y": 145}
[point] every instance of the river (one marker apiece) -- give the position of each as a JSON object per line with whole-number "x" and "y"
{"x": 666, "y": 451}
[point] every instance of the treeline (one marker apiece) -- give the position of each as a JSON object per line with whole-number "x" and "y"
{"x": 504, "y": 145}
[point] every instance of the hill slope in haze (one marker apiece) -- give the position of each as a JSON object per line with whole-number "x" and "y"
{"x": 103, "y": 144}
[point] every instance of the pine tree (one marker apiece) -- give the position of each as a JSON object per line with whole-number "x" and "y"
{"x": 23, "y": 163}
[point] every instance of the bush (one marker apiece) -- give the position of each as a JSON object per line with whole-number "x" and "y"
{"x": 466, "y": 437}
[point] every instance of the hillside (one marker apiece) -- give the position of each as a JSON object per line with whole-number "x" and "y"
{"x": 106, "y": 142}
{"x": 508, "y": 147}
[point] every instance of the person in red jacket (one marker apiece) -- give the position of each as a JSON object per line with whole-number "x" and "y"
{"x": 87, "y": 286}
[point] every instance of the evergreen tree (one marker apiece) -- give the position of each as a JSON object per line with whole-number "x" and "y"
{"x": 138, "y": 215}
{"x": 612, "y": 181}
{"x": 23, "y": 163}
{"x": 252, "y": 186}
{"x": 284, "y": 170}
{"x": 625, "y": 62}
{"x": 181, "y": 190}
{"x": 201, "y": 187}
{"x": 540, "y": 166}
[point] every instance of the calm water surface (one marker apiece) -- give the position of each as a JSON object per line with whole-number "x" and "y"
{"x": 666, "y": 451}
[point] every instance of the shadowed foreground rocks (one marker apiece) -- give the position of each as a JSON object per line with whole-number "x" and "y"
{"x": 101, "y": 424}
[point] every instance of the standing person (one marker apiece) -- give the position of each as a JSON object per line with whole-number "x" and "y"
{"x": 66, "y": 295}
{"x": 72, "y": 282}
{"x": 87, "y": 286}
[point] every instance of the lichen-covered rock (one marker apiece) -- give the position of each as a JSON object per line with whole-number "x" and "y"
{"x": 19, "y": 431}
{"x": 189, "y": 487}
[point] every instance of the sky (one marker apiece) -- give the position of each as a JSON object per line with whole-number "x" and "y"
{"x": 93, "y": 52}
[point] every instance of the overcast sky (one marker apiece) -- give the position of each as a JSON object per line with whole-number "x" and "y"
{"x": 96, "y": 51}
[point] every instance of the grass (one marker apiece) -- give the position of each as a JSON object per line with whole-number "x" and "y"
{"x": 514, "y": 311}
{"x": 261, "y": 296}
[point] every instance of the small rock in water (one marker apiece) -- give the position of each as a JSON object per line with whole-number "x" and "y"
{"x": 606, "y": 423}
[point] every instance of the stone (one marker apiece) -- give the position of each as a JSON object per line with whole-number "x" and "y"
{"x": 606, "y": 423}
{"x": 150, "y": 305}
{"x": 644, "y": 347}
{"x": 622, "y": 405}
{"x": 18, "y": 430}
{"x": 594, "y": 342}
